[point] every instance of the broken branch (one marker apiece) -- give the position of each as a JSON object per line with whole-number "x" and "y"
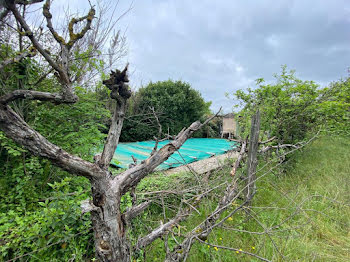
{"x": 121, "y": 93}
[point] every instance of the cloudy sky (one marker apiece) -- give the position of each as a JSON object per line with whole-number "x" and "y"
{"x": 222, "y": 46}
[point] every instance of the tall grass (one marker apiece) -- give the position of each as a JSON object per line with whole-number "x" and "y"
{"x": 302, "y": 214}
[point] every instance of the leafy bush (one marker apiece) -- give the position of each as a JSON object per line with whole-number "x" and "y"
{"x": 55, "y": 229}
{"x": 288, "y": 107}
{"x": 292, "y": 108}
{"x": 334, "y": 106}
{"x": 176, "y": 104}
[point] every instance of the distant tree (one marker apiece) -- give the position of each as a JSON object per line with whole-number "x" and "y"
{"x": 176, "y": 104}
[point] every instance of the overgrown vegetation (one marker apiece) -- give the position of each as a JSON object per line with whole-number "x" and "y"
{"x": 292, "y": 108}
{"x": 304, "y": 212}
{"x": 41, "y": 217}
{"x": 301, "y": 214}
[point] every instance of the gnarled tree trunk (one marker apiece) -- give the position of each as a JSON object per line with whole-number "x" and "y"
{"x": 111, "y": 243}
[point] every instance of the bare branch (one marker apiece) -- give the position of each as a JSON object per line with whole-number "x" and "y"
{"x": 134, "y": 159}
{"x": 48, "y": 16}
{"x": 239, "y": 158}
{"x": 33, "y": 95}
{"x": 156, "y": 233}
{"x": 159, "y": 132}
{"x": 207, "y": 226}
{"x": 15, "y": 128}
{"x": 16, "y": 58}
{"x": 63, "y": 75}
{"x": 267, "y": 148}
{"x": 74, "y": 37}
{"x": 135, "y": 211}
{"x": 267, "y": 141}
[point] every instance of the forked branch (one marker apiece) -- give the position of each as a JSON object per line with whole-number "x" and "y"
{"x": 74, "y": 37}
{"x": 120, "y": 91}
{"x": 12, "y": 7}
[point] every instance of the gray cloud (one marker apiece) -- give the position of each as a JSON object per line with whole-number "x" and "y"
{"x": 221, "y": 46}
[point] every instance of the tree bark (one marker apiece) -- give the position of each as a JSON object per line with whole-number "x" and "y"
{"x": 109, "y": 226}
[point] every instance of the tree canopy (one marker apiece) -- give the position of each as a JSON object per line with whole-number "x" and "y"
{"x": 175, "y": 103}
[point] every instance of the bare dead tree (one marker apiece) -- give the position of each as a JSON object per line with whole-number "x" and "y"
{"x": 109, "y": 222}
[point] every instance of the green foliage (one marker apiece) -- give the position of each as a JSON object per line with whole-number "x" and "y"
{"x": 40, "y": 217}
{"x": 76, "y": 128}
{"x": 160, "y": 182}
{"x": 288, "y": 107}
{"x": 55, "y": 230}
{"x": 334, "y": 106}
{"x": 176, "y": 104}
{"x": 292, "y": 108}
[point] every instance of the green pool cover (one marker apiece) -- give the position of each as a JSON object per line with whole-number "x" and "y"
{"x": 193, "y": 149}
